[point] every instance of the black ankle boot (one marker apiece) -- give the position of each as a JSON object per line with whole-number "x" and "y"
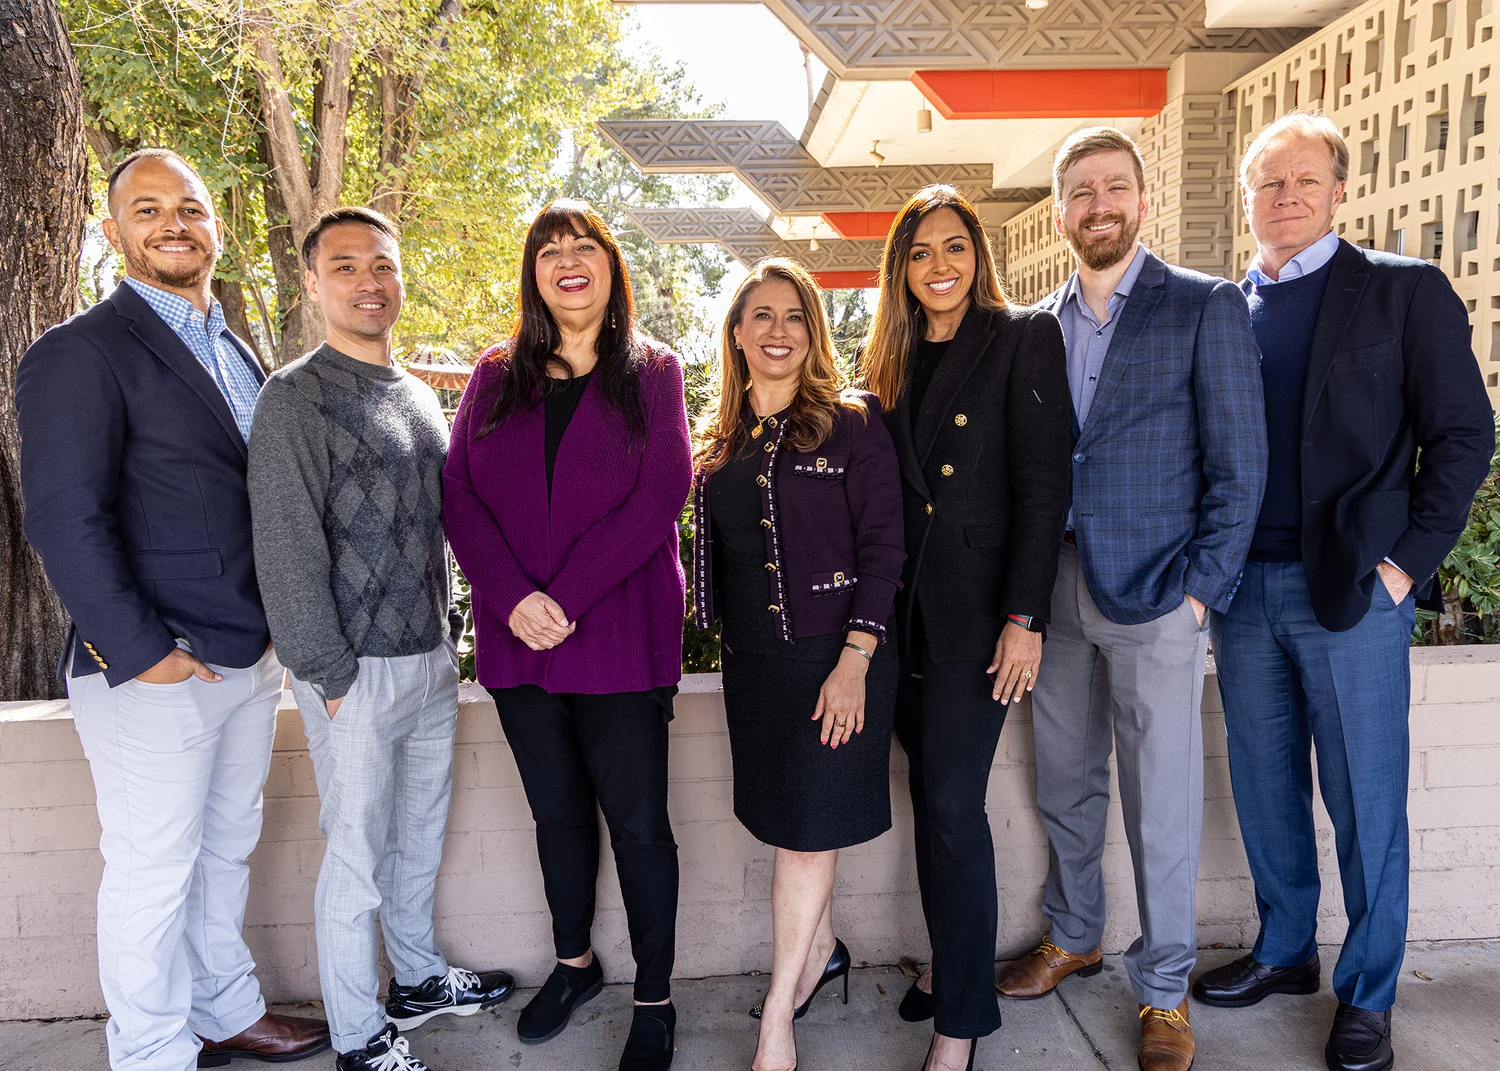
{"x": 653, "y": 1039}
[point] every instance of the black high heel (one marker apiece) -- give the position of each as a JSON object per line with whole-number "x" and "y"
{"x": 838, "y": 967}
{"x": 973, "y": 1046}
{"x": 916, "y": 1006}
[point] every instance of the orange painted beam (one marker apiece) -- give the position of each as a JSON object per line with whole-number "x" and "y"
{"x": 847, "y": 280}
{"x": 860, "y": 224}
{"x": 1058, "y": 94}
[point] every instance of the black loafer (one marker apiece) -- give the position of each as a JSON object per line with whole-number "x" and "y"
{"x": 1360, "y": 1040}
{"x": 916, "y": 1006}
{"x": 652, "y": 1039}
{"x": 1248, "y": 981}
{"x": 566, "y": 988}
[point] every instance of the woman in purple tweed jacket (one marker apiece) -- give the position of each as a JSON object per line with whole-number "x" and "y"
{"x": 568, "y": 469}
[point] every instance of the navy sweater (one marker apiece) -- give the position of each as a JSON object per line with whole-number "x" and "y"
{"x": 1284, "y": 316}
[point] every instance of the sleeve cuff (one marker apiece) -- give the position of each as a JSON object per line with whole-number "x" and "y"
{"x": 860, "y": 624}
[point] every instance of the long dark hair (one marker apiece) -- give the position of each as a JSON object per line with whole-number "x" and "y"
{"x": 897, "y": 322}
{"x": 532, "y": 347}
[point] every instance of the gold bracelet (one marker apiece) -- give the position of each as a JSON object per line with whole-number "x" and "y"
{"x": 862, "y": 652}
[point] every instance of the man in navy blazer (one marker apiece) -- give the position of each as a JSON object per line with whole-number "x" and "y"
{"x": 134, "y": 418}
{"x": 1367, "y": 361}
{"x": 1169, "y": 459}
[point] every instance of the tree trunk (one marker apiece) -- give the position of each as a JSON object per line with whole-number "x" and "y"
{"x": 304, "y": 188}
{"x": 293, "y": 336}
{"x": 44, "y": 199}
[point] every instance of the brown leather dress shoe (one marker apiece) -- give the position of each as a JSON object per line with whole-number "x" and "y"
{"x": 1166, "y": 1039}
{"x": 271, "y": 1038}
{"x": 1037, "y": 974}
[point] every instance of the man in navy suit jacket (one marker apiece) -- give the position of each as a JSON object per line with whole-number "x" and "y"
{"x": 1367, "y": 360}
{"x": 1169, "y": 459}
{"x": 134, "y": 418}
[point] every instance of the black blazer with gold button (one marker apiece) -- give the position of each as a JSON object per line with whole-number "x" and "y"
{"x": 985, "y": 474}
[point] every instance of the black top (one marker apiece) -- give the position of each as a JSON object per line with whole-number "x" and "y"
{"x": 734, "y": 504}
{"x": 563, "y": 396}
{"x": 924, "y": 361}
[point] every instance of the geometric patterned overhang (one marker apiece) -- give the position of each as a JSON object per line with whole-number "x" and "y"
{"x": 877, "y": 39}
{"x": 748, "y": 238}
{"x": 775, "y": 166}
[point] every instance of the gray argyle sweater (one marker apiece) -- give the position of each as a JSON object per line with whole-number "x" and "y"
{"x": 346, "y": 487}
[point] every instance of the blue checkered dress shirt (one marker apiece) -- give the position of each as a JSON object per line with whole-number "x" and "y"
{"x": 214, "y": 346}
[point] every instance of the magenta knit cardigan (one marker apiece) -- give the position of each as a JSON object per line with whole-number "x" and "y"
{"x": 606, "y": 550}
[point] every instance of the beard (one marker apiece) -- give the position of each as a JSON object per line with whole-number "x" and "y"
{"x": 141, "y": 265}
{"x": 1096, "y": 254}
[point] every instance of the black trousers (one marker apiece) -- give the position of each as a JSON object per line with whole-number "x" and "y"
{"x": 949, "y": 727}
{"x": 573, "y": 751}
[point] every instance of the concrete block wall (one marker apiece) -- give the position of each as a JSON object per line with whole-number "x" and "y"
{"x": 489, "y": 897}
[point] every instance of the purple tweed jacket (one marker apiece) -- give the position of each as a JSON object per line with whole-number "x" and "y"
{"x": 606, "y": 549}
{"x": 833, "y": 527}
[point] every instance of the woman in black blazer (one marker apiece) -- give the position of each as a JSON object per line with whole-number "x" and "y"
{"x": 976, "y": 396}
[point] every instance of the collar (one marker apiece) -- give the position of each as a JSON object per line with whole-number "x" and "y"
{"x": 178, "y": 311}
{"x": 1304, "y": 263}
{"x": 1123, "y": 288}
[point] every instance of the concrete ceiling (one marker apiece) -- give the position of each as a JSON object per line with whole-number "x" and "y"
{"x": 853, "y": 115}
{"x": 1266, "y": 13}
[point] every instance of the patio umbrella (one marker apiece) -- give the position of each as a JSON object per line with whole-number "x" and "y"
{"x": 440, "y": 369}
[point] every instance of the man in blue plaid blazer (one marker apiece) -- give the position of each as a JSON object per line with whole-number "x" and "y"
{"x": 1169, "y": 464}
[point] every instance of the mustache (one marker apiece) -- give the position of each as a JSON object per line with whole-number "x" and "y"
{"x": 1096, "y": 218}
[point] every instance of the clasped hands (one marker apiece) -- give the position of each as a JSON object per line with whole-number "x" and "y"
{"x": 539, "y": 622}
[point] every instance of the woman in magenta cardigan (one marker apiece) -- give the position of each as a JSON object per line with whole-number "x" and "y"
{"x": 569, "y": 467}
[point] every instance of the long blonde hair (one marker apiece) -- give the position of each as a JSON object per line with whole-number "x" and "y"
{"x": 821, "y": 391}
{"x": 896, "y": 325}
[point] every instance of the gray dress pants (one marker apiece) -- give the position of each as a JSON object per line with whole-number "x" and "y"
{"x": 1140, "y": 689}
{"x": 384, "y": 765}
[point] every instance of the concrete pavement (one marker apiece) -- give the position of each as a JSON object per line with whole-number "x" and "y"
{"x": 1447, "y": 1019}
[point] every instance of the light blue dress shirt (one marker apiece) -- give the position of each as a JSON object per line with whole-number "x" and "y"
{"x": 211, "y": 341}
{"x": 1088, "y": 340}
{"x": 1304, "y": 263}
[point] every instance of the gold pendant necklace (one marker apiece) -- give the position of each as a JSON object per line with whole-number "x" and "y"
{"x": 760, "y": 424}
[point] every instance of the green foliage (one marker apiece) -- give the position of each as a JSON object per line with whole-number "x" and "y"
{"x": 1470, "y": 577}
{"x": 505, "y": 85}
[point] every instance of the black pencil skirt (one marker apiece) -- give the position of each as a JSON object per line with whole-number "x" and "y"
{"x": 790, "y": 790}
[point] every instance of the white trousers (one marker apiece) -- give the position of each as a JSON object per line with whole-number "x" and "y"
{"x": 178, "y": 774}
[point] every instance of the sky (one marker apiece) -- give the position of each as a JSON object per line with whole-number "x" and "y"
{"x": 739, "y": 55}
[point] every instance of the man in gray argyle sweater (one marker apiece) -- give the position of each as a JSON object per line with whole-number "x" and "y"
{"x": 346, "y": 461}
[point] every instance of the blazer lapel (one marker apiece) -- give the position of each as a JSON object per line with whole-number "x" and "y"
{"x": 157, "y": 336}
{"x": 969, "y": 345}
{"x": 1346, "y": 283}
{"x": 1134, "y": 317}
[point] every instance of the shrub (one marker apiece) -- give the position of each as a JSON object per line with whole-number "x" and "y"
{"x": 1470, "y": 577}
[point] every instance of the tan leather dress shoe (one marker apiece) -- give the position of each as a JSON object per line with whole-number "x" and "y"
{"x": 1166, "y": 1039}
{"x": 274, "y": 1038}
{"x": 1037, "y": 974}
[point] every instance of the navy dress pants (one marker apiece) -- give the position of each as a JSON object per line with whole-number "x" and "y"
{"x": 1290, "y": 685}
